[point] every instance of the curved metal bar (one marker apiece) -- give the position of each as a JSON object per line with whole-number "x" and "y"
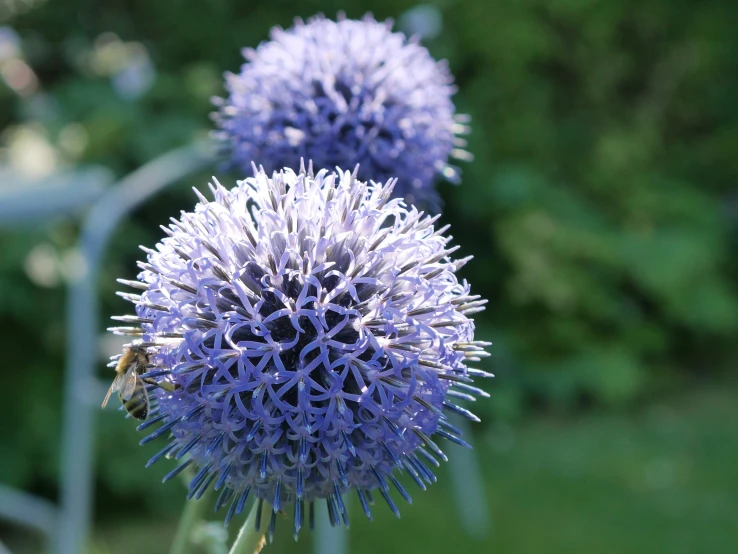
{"x": 82, "y": 312}
{"x": 30, "y": 201}
{"x": 28, "y": 510}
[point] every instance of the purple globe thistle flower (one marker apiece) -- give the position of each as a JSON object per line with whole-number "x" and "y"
{"x": 316, "y": 335}
{"x": 345, "y": 93}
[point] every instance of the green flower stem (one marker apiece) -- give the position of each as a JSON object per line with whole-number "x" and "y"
{"x": 192, "y": 513}
{"x": 249, "y": 540}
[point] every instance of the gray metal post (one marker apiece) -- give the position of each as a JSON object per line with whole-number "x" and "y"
{"x": 328, "y": 539}
{"x": 468, "y": 486}
{"x": 101, "y": 221}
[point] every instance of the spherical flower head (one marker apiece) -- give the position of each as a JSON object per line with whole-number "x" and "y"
{"x": 343, "y": 93}
{"x": 314, "y": 332}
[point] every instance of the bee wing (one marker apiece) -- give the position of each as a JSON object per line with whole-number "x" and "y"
{"x": 114, "y": 387}
{"x": 129, "y": 383}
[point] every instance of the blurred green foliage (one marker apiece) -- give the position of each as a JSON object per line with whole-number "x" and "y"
{"x": 601, "y": 207}
{"x": 645, "y": 482}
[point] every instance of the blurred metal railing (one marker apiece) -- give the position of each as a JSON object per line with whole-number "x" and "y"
{"x": 69, "y": 527}
{"x": 82, "y": 323}
{"x": 26, "y": 201}
{"x": 29, "y": 511}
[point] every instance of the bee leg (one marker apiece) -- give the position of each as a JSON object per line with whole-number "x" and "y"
{"x": 164, "y": 385}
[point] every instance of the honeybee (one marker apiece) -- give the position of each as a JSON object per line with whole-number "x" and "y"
{"x": 131, "y": 389}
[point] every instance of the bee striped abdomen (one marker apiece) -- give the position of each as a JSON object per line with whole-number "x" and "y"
{"x": 138, "y": 404}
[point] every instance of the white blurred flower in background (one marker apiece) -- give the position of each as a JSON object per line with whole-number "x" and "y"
{"x": 127, "y": 65}
{"x": 9, "y": 43}
{"x": 14, "y": 70}
{"x": 28, "y": 151}
{"x": 11, "y": 8}
{"x": 423, "y": 21}
{"x": 42, "y": 265}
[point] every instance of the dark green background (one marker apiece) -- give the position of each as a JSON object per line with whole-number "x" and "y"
{"x": 602, "y": 211}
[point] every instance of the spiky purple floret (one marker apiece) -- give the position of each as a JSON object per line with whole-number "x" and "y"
{"x": 345, "y": 93}
{"x": 315, "y": 330}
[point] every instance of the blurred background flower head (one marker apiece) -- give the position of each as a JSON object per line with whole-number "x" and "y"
{"x": 343, "y": 93}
